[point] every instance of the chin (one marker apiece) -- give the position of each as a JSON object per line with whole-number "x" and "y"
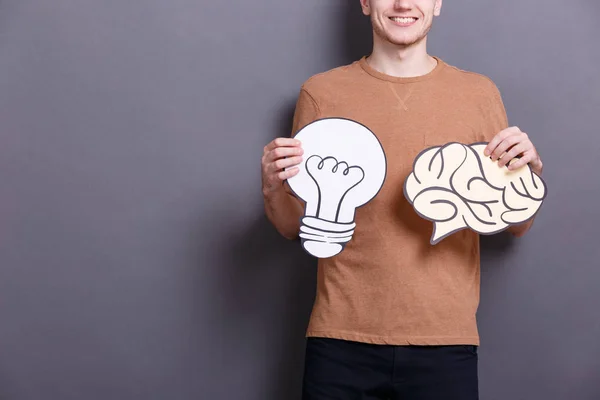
{"x": 402, "y": 40}
{"x": 403, "y": 36}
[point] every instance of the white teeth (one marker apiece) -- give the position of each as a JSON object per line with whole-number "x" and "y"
{"x": 404, "y": 20}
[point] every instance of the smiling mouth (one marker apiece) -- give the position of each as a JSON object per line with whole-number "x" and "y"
{"x": 404, "y": 20}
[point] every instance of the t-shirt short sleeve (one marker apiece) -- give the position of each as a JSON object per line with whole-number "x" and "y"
{"x": 496, "y": 119}
{"x": 306, "y": 111}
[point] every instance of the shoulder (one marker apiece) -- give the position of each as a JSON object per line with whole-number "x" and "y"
{"x": 483, "y": 93}
{"x": 475, "y": 82}
{"x": 326, "y": 82}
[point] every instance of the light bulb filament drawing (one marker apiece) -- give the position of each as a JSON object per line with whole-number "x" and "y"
{"x": 333, "y": 183}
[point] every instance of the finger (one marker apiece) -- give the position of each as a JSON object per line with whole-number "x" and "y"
{"x": 520, "y": 163}
{"x": 491, "y": 146}
{"x": 499, "y": 138}
{"x": 281, "y": 152}
{"x": 284, "y": 163}
{"x": 504, "y": 146}
{"x": 512, "y": 153}
{"x": 288, "y": 173}
{"x": 282, "y": 142}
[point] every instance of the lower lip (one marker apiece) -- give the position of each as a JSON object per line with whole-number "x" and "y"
{"x": 404, "y": 24}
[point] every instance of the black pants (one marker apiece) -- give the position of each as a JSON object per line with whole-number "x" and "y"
{"x": 338, "y": 369}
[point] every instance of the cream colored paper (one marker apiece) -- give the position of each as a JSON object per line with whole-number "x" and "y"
{"x": 456, "y": 186}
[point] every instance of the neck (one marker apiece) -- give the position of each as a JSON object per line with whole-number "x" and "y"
{"x": 401, "y": 61}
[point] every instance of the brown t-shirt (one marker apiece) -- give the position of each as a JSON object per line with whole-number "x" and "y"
{"x": 390, "y": 285}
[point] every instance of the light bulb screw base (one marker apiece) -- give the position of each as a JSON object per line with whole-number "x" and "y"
{"x": 323, "y": 238}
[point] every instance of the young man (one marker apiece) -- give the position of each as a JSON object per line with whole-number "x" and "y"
{"x": 394, "y": 317}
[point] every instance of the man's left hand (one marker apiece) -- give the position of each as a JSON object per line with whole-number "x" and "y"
{"x": 510, "y": 143}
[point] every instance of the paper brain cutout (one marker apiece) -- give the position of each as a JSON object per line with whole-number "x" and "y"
{"x": 456, "y": 186}
{"x": 343, "y": 168}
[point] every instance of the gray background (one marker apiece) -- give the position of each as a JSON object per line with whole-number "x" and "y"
{"x": 135, "y": 260}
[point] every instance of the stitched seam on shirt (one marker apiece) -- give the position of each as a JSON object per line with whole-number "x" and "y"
{"x": 408, "y": 337}
{"x": 314, "y": 101}
{"x": 402, "y": 102}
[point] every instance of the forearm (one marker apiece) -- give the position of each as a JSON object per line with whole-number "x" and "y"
{"x": 284, "y": 211}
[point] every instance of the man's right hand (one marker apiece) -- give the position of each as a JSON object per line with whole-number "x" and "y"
{"x": 279, "y": 154}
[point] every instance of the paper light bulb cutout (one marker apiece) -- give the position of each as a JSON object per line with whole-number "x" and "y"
{"x": 456, "y": 186}
{"x": 343, "y": 168}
